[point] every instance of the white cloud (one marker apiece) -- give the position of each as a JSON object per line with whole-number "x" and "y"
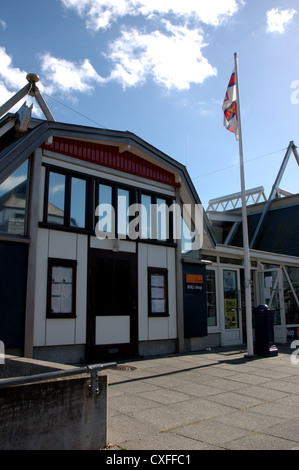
{"x": 12, "y": 79}
{"x": 102, "y": 13}
{"x": 169, "y": 46}
{"x": 173, "y": 59}
{"x": 68, "y": 76}
{"x": 278, "y": 19}
{"x": 3, "y": 24}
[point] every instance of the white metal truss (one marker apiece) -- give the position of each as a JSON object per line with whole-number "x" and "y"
{"x": 232, "y": 201}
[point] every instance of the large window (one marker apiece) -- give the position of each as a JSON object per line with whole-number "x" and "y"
{"x": 13, "y": 202}
{"x": 77, "y": 202}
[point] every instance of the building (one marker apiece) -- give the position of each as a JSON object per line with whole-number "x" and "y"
{"x": 75, "y": 284}
{"x": 84, "y": 278}
{"x": 274, "y": 255}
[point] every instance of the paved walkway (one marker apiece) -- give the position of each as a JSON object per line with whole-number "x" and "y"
{"x": 208, "y": 400}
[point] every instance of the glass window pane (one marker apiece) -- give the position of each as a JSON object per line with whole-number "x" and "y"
{"x": 146, "y": 221}
{"x": 13, "y": 202}
{"x": 211, "y": 294}
{"x": 56, "y": 198}
{"x": 162, "y": 219}
{"x": 123, "y": 202}
{"x": 291, "y": 294}
{"x": 105, "y": 211}
{"x": 230, "y": 284}
{"x": 78, "y": 202}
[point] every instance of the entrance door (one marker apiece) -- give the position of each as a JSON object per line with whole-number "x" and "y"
{"x": 232, "y": 327}
{"x": 112, "y": 324}
{"x": 271, "y": 294}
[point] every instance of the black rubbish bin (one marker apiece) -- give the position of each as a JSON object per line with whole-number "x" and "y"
{"x": 264, "y": 331}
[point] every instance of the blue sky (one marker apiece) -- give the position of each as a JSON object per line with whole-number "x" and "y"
{"x": 160, "y": 69}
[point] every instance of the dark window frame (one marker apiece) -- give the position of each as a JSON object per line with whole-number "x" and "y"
{"x": 92, "y": 201}
{"x": 69, "y": 174}
{"x": 158, "y": 272}
{"x": 63, "y": 263}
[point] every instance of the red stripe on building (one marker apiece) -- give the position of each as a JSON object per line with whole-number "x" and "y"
{"x": 109, "y": 156}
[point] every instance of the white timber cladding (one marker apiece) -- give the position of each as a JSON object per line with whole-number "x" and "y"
{"x": 112, "y": 330}
{"x": 71, "y": 246}
{"x": 66, "y": 331}
{"x": 151, "y": 328}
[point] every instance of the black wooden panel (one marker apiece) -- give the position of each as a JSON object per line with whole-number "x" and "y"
{"x": 195, "y": 300}
{"x": 13, "y": 280}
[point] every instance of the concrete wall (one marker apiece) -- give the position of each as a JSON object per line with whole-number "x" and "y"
{"x": 58, "y": 414}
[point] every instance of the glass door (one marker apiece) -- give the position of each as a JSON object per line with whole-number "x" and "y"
{"x": 271, "y": 294}
{"x": 232, "y": 325}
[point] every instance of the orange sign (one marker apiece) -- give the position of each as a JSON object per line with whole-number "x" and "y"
{"x": 194, "y": 278}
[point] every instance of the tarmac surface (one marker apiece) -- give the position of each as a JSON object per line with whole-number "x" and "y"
{"x": 208, "y": 400}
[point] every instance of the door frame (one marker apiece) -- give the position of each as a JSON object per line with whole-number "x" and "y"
{"x": 233, "y": 336}
{"x": 279, "y": 330}
{"x": 99, "y": 352}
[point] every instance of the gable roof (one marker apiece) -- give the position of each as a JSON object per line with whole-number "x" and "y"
{"x": 40, "y": 131}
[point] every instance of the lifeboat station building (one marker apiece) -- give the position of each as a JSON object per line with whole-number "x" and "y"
{"x": 106, "y": 251}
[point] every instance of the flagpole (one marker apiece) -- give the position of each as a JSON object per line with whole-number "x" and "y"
{"x": 245, "y": 226}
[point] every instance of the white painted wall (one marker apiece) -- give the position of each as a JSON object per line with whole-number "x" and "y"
{"x": 64, "y": 331}
{"x": 162, "y": 327}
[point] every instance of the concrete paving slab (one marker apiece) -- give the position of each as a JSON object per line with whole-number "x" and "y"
{"x": 205, "y": 401}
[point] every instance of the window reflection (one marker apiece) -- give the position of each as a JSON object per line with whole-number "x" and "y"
{"x": 78, "y": 202}
{"x": 146, "y": 219}
{"x": 13, "y": 202}
{"x": 105, "y": 223}
{"x": 123, "y": 203}
{"x": 162, "y": 212}
{"x": 56, "y": 198}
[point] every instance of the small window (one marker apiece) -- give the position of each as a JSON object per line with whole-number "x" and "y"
{"x": 146, "y": 216}
{"x": 61, "y": 288}
{"x": 13, "y": 202}
{"x": 78, "y": 202}
{"x": 158, "y": 292}
{"x": 106, "y": 210}
{"x": 123, "y": 203}
{"x": 56, "y": 199}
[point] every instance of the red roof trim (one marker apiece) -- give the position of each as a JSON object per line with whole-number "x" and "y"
{"x": 109, "y": 156}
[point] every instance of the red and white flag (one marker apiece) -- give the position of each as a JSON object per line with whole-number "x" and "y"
{"x": 230, "y": 108}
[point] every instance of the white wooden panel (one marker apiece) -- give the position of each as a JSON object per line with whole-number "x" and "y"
{"x": 108, "y": 244}
{"x": 142, "y": 293}
{"x": 81, "y": 289}
{"x": 157, "y": 256}
{"x": 60, "y": 332}
{"x": 41, "y": 288}
{"x": 62, "y": 245}
{"x": 112, "y": 330}
{"x": 101, "y": 244}
{"x": 158, "y": 328}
